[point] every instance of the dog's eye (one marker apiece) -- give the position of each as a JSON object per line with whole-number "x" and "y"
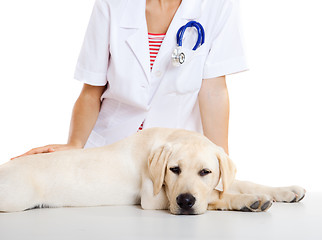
{"x": 204, "y": 172}
{"x": 175, "y": 170}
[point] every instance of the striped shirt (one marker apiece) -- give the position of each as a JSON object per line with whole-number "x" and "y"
{"x": 155, "y": 41}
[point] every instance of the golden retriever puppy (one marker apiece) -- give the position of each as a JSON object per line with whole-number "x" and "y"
{"x": 158, "y": 168}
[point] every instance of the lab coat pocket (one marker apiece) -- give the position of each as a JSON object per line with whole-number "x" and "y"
{"x": 191, "y": 54}
{"x": 189, "y": 75}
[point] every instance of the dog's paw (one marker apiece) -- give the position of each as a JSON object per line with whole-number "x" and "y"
{"x": 242, "y": 202}
{"x": 289, "y": 194}
{"x": 259, "y": 204}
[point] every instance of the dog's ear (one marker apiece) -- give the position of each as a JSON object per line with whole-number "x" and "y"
{"x": 227, "y": 169}
{"x": 157, "y": 163}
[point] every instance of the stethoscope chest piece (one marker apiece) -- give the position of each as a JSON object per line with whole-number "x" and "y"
{"x": 178, "y": 57}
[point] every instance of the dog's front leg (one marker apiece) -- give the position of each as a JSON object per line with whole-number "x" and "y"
{"x": 279, "y": 194}
{"x": 149, "y": 201}
{"x": 239, "y": 202}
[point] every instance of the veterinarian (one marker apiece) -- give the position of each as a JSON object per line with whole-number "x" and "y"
{"x": 131, "y": 83}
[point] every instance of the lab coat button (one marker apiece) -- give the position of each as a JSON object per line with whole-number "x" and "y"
{"x": 158, "y": 74}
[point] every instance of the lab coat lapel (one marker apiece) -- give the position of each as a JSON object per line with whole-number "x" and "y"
{"x": 188, "y": 10}
{"x": 138, "y": 42}
{"x": 133, "y": 19}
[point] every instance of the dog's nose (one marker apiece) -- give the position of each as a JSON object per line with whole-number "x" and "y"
{"x": 186, "y": 201}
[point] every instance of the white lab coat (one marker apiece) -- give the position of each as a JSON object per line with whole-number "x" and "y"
{"x": 116, "y": 52}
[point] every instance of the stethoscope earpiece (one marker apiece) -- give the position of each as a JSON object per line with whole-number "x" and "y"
{"x": 178, "y": 56}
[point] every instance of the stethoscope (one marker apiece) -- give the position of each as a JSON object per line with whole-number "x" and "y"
{"x": 178, "y": 55}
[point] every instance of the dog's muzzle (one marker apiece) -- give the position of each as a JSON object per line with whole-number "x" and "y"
{"x": 185, "y": 202}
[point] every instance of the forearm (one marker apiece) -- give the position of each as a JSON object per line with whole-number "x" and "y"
{"x": 84, "y": 116}
{"x": 214, "y": 111}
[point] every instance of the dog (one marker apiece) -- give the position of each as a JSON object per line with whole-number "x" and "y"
{"x": 158, "y": 168}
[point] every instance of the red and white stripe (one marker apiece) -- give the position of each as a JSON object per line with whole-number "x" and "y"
{"x": 141, "y": 126}
{"x": 155, "y": 41}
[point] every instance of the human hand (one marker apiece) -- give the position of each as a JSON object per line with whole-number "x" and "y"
{"x": 48, "y": 149}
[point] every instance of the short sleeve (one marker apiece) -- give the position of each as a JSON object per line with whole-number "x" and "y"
{"x": 226, "y": 55}
{"x": 92, "y": 62}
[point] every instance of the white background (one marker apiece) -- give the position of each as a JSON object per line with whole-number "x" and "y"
{"x": 276, "y": 119}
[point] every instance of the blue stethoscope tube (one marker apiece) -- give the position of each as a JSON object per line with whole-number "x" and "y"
{"x": 178, "y": 56}
{"x": 201, "y": 34}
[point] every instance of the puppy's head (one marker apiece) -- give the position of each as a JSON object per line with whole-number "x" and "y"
{"x": 189, "y": 171}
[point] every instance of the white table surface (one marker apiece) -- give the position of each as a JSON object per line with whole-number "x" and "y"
{"x": 283, "y": 221}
